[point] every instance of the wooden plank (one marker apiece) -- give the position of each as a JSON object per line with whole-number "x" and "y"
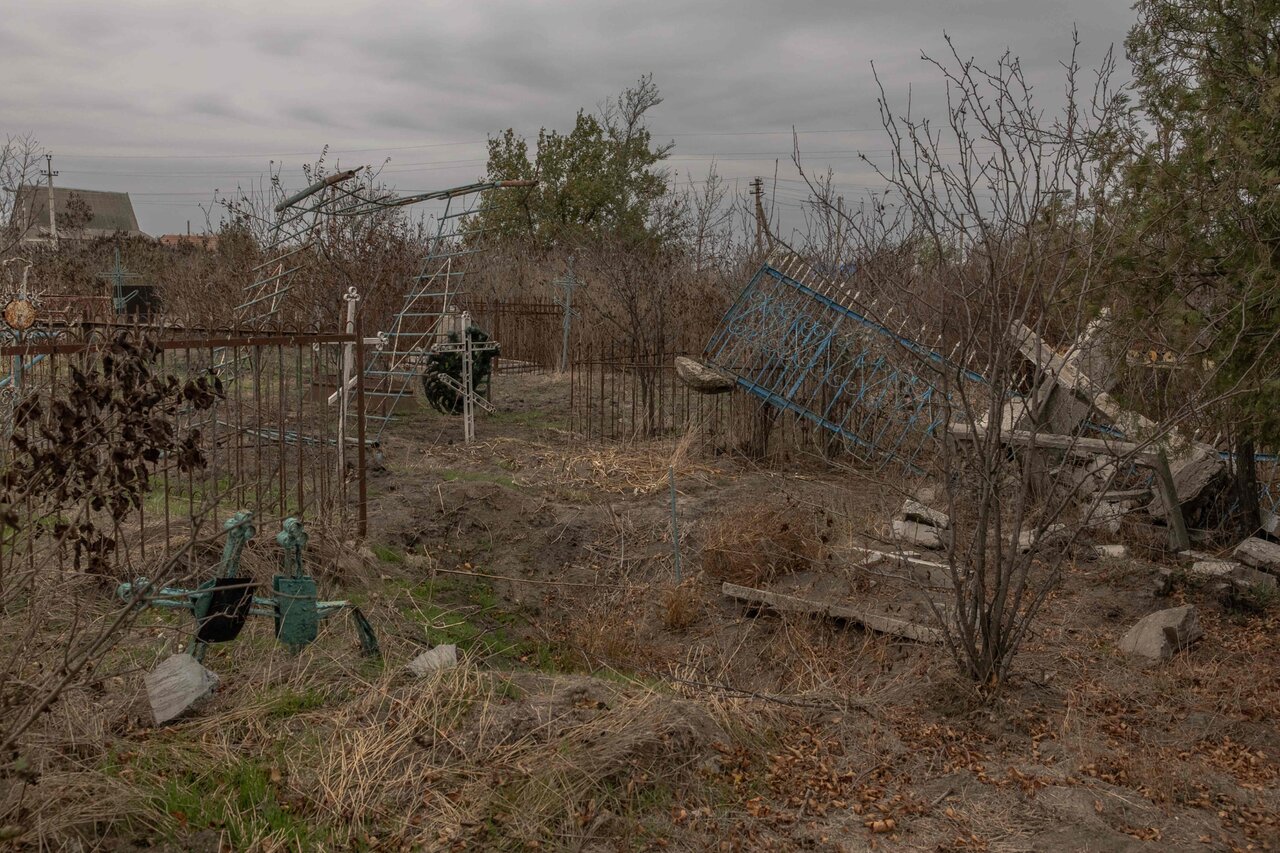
{"x": 795, "y": 604}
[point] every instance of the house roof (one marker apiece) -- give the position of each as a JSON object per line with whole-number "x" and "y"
{"x": 112, "y": 213}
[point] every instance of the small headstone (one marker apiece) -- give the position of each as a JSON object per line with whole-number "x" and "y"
{"x": 1163, "y": 583}
{"x": 1260, "y": 554}
{"x": 921, "y": 514}
{"x": 914, "y": 533}
{"x": 440, "y": 657}
{"x": 1160, "y": 635}
{"x": 177, "y": 684}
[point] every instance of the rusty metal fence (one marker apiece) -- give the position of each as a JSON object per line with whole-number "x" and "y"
{"x": 528, "y": 331}
{"x": 616, "y": 395}
{"x": 270, "y": 439}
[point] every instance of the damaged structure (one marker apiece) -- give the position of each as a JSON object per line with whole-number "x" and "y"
{"x": 804, "y": 344}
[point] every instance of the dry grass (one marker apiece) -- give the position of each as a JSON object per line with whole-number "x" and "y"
{"x": 755, "y": 544}
{"x": 660, "y": 714}
{"x": 683, "y": 605}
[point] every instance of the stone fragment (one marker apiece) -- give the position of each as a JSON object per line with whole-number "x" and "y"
{"x": 1112, "y": 552}
{"x": 914, "y": 533}
{"x": 703, "y": 378}
{"x": 1193, "y": 472}
{"x": 918, "y": 512}
{"x": 176, "y": 684}
{"x": 1051, "y": 534}
{"x": 437, "y": 658}
{"x": 1107, "y": 516}
{"x": 1259, "y": 553}
{"x": 1213, "y": 568}
{"x": 1160, "y": 635}
{"x": 1240, "y": 575}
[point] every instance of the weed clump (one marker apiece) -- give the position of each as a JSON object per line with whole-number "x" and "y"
{"x": 755, "y": 545}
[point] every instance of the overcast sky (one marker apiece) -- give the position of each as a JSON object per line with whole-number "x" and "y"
{"x": 170, "y": 100}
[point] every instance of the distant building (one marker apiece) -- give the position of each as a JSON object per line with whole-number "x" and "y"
{"x": 200, "y": 241}
{"x": 108, "y": 214}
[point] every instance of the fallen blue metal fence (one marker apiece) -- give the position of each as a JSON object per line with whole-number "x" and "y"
{"x": 798, "y": 346}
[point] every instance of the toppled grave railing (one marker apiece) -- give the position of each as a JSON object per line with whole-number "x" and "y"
{"x": 796, "y": 341}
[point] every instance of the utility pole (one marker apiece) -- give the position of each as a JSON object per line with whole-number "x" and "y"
{"x": 567, "y": 283}
{"x": 762, "y": 226}
{"x": 51, "y": 174}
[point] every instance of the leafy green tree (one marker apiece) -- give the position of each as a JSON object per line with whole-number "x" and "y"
{"x": 602, "y": 178}
{"x": 1201, "y": 193}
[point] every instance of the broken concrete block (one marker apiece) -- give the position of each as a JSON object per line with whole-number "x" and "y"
{"x": 1213, "y": 568}
{"x": 1259, "y": 553}
{"x": 1240, "y": 575}
{"x": 1052, "y": 533}
{"x": 1193, "y": 472}
{"x": 1078, "y": 481}
{"x": 1111, "y": 552}
{"x": 1107, "y": 516}
{"x": 921, "y": 514}
{"x": 176, "y": 684}
{"x": 703, "y": 378}
{"x": 1160, "y": 635}
{"x": 915, "y": 533}
{"x": 440, "y": 657}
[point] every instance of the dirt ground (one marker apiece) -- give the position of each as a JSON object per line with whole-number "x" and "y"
{"x": 603, "y": 703}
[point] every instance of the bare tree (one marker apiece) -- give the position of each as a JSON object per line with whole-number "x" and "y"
{"x": 20, "y": 161}
{"x": 992, "y": 240}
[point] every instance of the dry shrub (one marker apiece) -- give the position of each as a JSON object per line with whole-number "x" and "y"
{"x": 682, "y": 605}
{"x": 756, "y": 544}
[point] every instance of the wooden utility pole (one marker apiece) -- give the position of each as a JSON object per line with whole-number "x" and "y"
{"x": 50, "y": 174}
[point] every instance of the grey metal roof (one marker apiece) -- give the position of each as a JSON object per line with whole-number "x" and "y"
{"x": 112, "y": 212}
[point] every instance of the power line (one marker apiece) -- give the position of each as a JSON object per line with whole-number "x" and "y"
{"x": 335, "y": 152}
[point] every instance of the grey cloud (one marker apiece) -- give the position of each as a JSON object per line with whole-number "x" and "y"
{"x": 274, "y": 79}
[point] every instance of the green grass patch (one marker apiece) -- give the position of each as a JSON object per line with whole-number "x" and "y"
{"x": 386, "y": 553}
{"x": 241, "y": 800}
{"x": 470, "y": 615}
{"x": 290, "y": 702}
